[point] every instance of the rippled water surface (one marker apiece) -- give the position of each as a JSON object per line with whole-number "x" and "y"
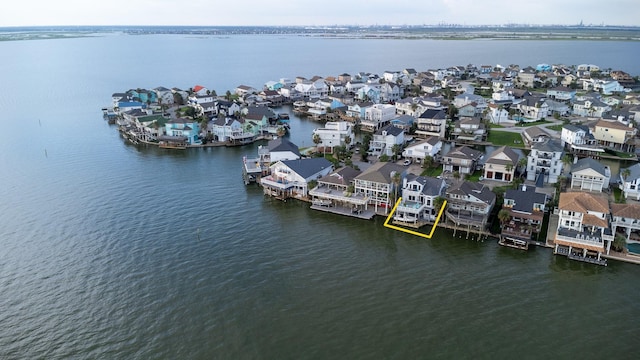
{"x": 113, "y": 251}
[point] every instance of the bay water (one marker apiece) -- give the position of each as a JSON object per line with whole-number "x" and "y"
{"x": 109, "y": 250}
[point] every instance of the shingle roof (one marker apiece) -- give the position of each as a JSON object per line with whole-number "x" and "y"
{"x": 433, "y": 114}
{"x": 430, "y": 186}
{"x": 551, "y": 145}
{"x": 507, "y": 151}
{"x": 464, "y": 152}
{"x": 634, "y": 172}
{"x": 344, "y": 175}
{"x": 525, "y": 198}
{"x": 630, "y": 211}
{"x": 282, "y": 144}
{"x": 307, "y": 167}
{"x": 391, "y": 130}
{"x": 467, "y": 188}
{"x": 588, "y": 163}
{"x": 380, "y": 172}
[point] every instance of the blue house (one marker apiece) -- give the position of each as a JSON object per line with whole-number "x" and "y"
{"x": 125, "y": 106}
{"x": 184, "y": 127}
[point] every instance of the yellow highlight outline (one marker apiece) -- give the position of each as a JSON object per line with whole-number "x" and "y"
{"x": 412, "y": 232}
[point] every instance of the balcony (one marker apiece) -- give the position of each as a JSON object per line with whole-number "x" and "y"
{"x": 580, "y": 238}
{"x": 279, "y": 183}
{"x": 546, "y": 164}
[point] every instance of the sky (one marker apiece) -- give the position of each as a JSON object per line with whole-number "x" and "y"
{"x": 318, "y": 13}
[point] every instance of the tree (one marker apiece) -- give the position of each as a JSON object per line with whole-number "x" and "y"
{"x": 227, "y": 95}
{"x": 316, "y": 140}
{"x": 427, "y": 162}
{"x": 625, "y": 173}
{"x": 522, "y": 164}
{"x": 384, "y": 158}
{"x": 620, "y": 243}
{"x": 395, "y": 150}
{"x": 504, "y": 216}
{"x": 396, "y": 184}
{"x": 347, "y": 141}
{"x": 566, "y": 160}
{"x": 438, "y": 202}
{"x": 456, "y": 175}
{"x": 178, "y": 99}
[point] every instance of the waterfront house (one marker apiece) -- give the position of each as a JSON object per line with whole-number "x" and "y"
{"x": 200, "y": 90}
{"x": 590, "y": 107}
{"x": 124, "y": 106}
{"x": 432, "y": 122}
{"x": 150, "y": 127}
{"x": 625, "y": 222}
{"x": 418, "y": 199}
{"x": 384, "y": 140}
{"x": 583, "y": 231}
{"x": 290, "y": 178}
{"x": 281, "y": 149}
{"x": 224, "y": 128}
{"x": 469, "y": 129}
{"x": 630, "y": 182}
{"x": 336, "y": 193}
{"x": 501, "y": 164}
{"x": 545, "y": 161}
{"x": 119, "y": 97}
{"x": 378, "y": 183}
{"x": 578, "y": 139}
{"x": 561, "y": 93}
{"x": 469, "y": 204}
{"x": 532, "y": 108}
{"x": 417, "y": 152}
{"x": 497, "y": 114}
{"x": 430, "y": 86}
{"x": 589, "y": 174}
{"x": 403, "y": 122}
{"x": 469, "y": 98}
{"x": 227, "y": 107}
{"x": 462, "y": 159}
{"x": 390, "y": 92}
{"x": 244, "y": 90}
{"x": 526, "y": 209}
{"x": 369, "y": 92}
{"x": 615, "y": 135}
{"x": 164, "y": 95}
{"x": 334, "y": 134}
{"x": 188, "y": 128}
{"x": 535, "y": 134}
{"x": 358, "y": 110}
{"x": 377, "y": 116}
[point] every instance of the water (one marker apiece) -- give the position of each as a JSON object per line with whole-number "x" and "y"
{"x": 115, "y": 251}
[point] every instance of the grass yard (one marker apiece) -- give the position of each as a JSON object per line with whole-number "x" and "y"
{"x": 556, "y": 127}
{"x": 433, "y": 171}
{"x": 475, "y": 177}
{"x": 500, "y": 138}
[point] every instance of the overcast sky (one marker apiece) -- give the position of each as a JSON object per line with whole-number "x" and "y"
{"x": 324, "y": 12}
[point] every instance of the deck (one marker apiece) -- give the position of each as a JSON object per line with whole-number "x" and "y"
{"x": 563, "y": 250}
{"x": 341, "y": 210}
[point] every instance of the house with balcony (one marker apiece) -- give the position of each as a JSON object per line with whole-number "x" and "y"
{"x": 469, "y": 98}
{"x": 418, "y": 200}
{"x": 463, "y": 159}
{"x": 290, "y": 178}
{"x": 188, "y": 128}
{"x": 223, "y": 128}
{"x": 469, "y": 129}
{"x": 590, "y": 107}
{"x": 584, "y": 231}
{"x": 469, "y": 204}
{"x": 501, "y": 165}
{"x": 498, "y": 114}
{"x": 417, "y": 152}
{"x": 578, "y": 139}
{"x": 545, "y": 162}
{"x": 535, "y": 134}
{"x": 532, "y": 109}
{"x": 336, "y": 193}
{"x": 358, "y": 110}
{"x": 378, "y": 183}
{"x": 588, "y": 174}
{"x": 630, "y": 182}
{"x": 281, "y": 149}
{"x": 385, "y": 139}
{"x": 625, "y": 222}
{"x": 377, "y": 116}
{"x": 334, "y": 134}
{"x": 615, "y": 135}
{"x": 526, "y": 209}
{"x": 561, "y": 93}
{"x": 432, "y": 122}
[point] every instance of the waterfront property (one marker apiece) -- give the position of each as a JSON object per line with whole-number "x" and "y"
{"x": 545, "y": 158}
{"x": 290, "y": 178}
{"x": 579, "y": 140}
{"x": 432, "y": 122}
{"x": 469, "y": 204}
{"x": 615, "y": 135}
{"x": 418, "y": 206}
{"x": 417, "y": 152}
{"x": 584, "y": 231}
{"x": 336, "y": 193}
{"x": 378, "y": 183}
{"x": 469, "y": 129}
{"x": 630, "y": 182}
{"x": 588, "y": 174}
{"x": 501, "y": 164}
{"x": 187, "y": 128}
{"x": 535, "y": 134}
{"x": 625, "y": 222}
{"x": 334, "y": 134}
{"x": 282, "y": 149}
{"x": 384, "y": 140}
{"x": 526, "y": 209}
{"x": 463, "y": 160}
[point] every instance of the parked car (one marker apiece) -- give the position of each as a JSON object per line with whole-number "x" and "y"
{"x": 407, "y": 162}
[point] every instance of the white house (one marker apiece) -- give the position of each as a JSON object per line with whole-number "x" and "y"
{"x": 545, "y": 158}
{"x": 589, "y": 174}
{"x": 384, "y": 140}
{"x": 630, "y": 182}
{"x": 377, "y": 183}
{"x": 417, "y": 152}
{"x": 533, "y": 108}
{"x": 590, "y": 107}
{"x": 281, "y": 149}
{"x": 377, "y": 115}
{"x": 578, "y": 138}
{"x": 290, "y": 178}
{"x": 497, "y": 114}
{"x": 334, "y": 134}
{"x": 418, "y": 199}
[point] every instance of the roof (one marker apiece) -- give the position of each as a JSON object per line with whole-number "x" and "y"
{"x": 583, "y": 202}
{"x": 391, "y": 130}
{"x": 535, "y": 131}
{"x": 634, "y": 172}
{"x": 433, "y": 114}
{"x": 614, "y": 125}
{"x": 380, "y": 172}
{"x": 307, "y": 167}
{"x": 576, "y": 128}
{"x": 550, "y": 145}
{"x": 629, "y": 211}
{"x": 198, "y": 88}
{"x": 281, "y": 145}
{"x": 508, "y": 152}
{"x": 430, "y": 186}
{"x": 464, "y": 152}
{"x": 344, "y": 175}
{"x": 477, "y": 190}
{"x": 525, "y": 197}
{"x": 588, "y": 163}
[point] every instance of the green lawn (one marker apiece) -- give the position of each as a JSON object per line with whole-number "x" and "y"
{"x": 500, "y": 138}
{"x": 433, "y": 171}
{"x": 541, "y": 122}
{"x": 475, "y": 177}
{"x": 495, "y": 126}
{"x": 556, "y": 127}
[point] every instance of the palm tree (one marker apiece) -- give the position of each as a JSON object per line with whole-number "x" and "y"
{"x": 316, "y": 140}
{"x": 504, "y": 216}
{"x": 227, "y": 95}
{"x": 396, "y": 184}
{"x": 625, "y": 173}
{"x": 395, "y": 149}
{"x": 437, "y": 203}
{"x": 522, "y": 164}
{"x": 427, "y": 162}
